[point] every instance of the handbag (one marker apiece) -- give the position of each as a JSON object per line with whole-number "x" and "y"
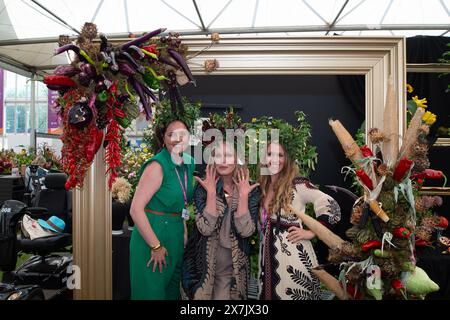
{"x": 31, "y": 229}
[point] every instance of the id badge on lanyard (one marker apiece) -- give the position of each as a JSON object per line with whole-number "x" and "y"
{"x": 185, "y": 211}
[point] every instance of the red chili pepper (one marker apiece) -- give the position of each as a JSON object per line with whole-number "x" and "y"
{"x": 433, "y": 174}
{"x": 443, "y": 223}
{"x": 59, "y": 80}
{"x": 366, "y": 152}
{"x": 362, "y": 175}
{"x": 402, "y": 232}
{"x": 113, "y": 88}
{"x": 371, "y": 244}
{"x": 151, "y": 48}
{"x": 418, "y": 176}
{"x": 352, "y": 292}
{"x": 403, "y": 166}
{"x": 421, "y": 243}
{"x": 119, "y": 113}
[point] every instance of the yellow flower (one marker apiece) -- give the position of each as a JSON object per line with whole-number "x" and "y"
{"x": 145, "y": 150}
{"x": 429, "y": 118}
{"x": 409, "y": 88}
{"x": 253, "y": 120}
{"x": 421, "y": 103}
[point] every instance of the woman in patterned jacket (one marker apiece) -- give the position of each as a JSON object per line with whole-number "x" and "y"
{"x": 216, "y": 262}
{"x": 287, "y": 255}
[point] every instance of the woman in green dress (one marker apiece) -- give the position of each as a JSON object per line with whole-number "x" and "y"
{"x": 159, "y": 204}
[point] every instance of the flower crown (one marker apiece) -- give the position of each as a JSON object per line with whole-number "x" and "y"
{"x": 222, "y": 122}
{"x": 295, "y": 139}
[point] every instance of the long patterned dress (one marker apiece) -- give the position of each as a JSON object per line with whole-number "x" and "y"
{"x": 285, "y": 268}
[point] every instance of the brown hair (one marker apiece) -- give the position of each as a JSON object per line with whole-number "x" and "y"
{"x": 283, "y": 186}
{"x": 160, "y": 131}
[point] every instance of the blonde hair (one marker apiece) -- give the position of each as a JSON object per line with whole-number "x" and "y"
{"x": 39, "y": 160}
{"x": 283, "y": 186}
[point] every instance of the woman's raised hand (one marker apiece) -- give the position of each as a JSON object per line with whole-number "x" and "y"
{"x": 210, "y": 181}
{"x": 242, "y": 182}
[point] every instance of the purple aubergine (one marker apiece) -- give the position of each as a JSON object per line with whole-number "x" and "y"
{"x": 173, "y": 101}
{"x": 104, "y": 42}
{"x": 123, "y": 97}
{"x": 126, "y": 69}
{"x": 376, "y": 225}
{"x": 138, "y": 51}
{"x": 168, "y": 62}
{"x": 105, "y": 57}
{"x": 147, "y": 91}
{"x": 66, "y": 70}
{"x": 114, "y": 66}
{"x": 133, "y": 62}
{"x": 100, "y": 86}
{"x": 137, "y": 87}
{"x": 84, "y": 79}
{"x": 179, "y": 99}
{"x": 56, "y": 87}
{"x": 180, "y": 60}
{"x": 88, "y": 69}
{"x": 72, "y": 47}
{"x": 145, "y": 37}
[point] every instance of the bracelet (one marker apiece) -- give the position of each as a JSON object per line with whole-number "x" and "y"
{"x": 157, "y": 247}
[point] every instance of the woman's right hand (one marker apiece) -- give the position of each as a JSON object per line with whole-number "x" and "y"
{"x": 158, "y": 258}
{"x": 210, "y": 181}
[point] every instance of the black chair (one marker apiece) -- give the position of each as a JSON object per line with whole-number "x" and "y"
{"x": 45, "y": 268}
{"x": 54, "y": 200}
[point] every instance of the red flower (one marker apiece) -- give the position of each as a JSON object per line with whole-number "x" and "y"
{"x": 366, "y": 151}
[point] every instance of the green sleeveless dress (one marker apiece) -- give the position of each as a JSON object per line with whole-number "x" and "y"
{"x": 169, "y": 229}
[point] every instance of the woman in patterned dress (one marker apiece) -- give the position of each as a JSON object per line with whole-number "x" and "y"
{"x": 287, "y": 255}
{"x": 216, "y": 263}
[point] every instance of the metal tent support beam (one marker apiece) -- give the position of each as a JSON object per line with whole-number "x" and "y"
{"x": 180, "y": 14}
{"x": 337, "y": 17}
{"x": 33, "y": 113}
{"x": 199, "y": 15}
{"x": 315, "y": 12}
{"x": 359, "y": 27}
{"x": 97, "y": 10}
{"x": 54, "y": 15}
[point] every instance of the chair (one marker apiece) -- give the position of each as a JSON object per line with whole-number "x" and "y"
{"x": 45, "y": 269}
{"x": 54, "y": 200}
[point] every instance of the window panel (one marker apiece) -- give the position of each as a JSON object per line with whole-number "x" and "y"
{"x": 22, "y": 118}
{"x": 41, "y": 117}
{"x": 9, "y": 123}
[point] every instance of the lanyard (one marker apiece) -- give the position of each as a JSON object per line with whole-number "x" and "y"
{"x": 183, "y": 188}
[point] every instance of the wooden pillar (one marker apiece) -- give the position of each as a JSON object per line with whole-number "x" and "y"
{"x": 92, "y": 241}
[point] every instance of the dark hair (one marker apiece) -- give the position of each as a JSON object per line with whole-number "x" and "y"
{"x": 160, "y": 131}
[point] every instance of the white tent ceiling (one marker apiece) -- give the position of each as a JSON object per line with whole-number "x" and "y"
{"x": 29, "y": 28}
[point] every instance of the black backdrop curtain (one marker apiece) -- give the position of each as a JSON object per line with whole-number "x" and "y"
{"x": 419, "y": 49}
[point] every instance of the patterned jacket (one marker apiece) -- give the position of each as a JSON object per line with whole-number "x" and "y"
{"x": 200, "y": 255}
